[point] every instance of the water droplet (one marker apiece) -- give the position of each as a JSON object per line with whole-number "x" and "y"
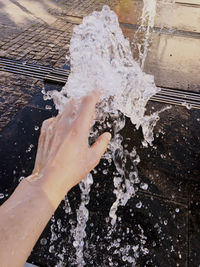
{"x": 51, "y": 249}
{"x": 187, "y": 105}
{"x": 135, "y": 248}
{"x": 144, "y": 186}
{"x": 124, "y": 258}
{"x": 105, "y": 172}
{"x": 21, "y": 178}
{"x": 48, "y": 107}
{"x": 1, "y": 196}
{"x": 139, "y": 205}
{"x": 145, "y": 251}
{"x": 43, "y": 241}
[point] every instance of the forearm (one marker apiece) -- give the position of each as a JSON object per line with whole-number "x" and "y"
{"x": 23, "y": 217}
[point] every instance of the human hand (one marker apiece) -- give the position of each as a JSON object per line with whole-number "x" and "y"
{"x": 64, "y": 157}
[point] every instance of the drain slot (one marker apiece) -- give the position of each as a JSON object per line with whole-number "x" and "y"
{"x": 166, "y": 95}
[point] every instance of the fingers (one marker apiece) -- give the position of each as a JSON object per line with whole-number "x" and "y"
{"x": 43, "y": 143}
{"x": 69, "y": 111}
{"x": 98, "y": 148}
{"x": 87, "y": 110}
{"x": 80, "y": 112}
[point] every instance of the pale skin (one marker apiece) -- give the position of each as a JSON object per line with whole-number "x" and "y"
{"x": 63, "y": 159}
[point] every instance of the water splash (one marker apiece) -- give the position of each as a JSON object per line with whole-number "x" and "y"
{"x": 142, "y": 37}
{"x": 82, "y": 218}
{"x": 101, "y": 58}
{"x": 124, "y": 184}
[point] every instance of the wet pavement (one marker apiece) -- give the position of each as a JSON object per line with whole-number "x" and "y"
{"x": 39, "y": 32}
{"x": 169, "y": 214}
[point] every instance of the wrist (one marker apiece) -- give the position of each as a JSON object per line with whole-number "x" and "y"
{"x": 49, "y": 186}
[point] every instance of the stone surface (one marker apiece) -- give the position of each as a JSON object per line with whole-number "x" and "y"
{"x": 171, "y": 147}
{"x": 174, "y": 60}
{"x": 45, "y": 38}
{"x": 15, "y": 93}
{"x": 194, "y": 221}
{"x": 164, "y": 228}
{"x": 18, "y": 144}
{"x": 180, "y": 16}
{"x": 194, "y": 191}
{"x": 163, "y": 219}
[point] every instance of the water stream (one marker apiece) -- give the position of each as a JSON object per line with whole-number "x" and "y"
{"x": 101, "y": 58}
{"x": 145, "y": 29}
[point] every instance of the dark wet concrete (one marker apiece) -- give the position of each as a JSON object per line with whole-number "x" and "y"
{"x": 169, "y": 214}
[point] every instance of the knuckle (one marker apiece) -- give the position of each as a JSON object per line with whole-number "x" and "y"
{"x": 45, "y": 125}
{"x": 47, "y": 122}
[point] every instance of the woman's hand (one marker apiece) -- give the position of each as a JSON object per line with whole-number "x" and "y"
{"x": 64, "y": 157}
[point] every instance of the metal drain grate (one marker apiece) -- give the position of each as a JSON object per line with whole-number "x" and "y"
{"x": 166, "y": 95}
{"x": 35, "y": 71}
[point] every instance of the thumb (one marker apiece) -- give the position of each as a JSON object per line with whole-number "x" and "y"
{"x": 98, "y": 148}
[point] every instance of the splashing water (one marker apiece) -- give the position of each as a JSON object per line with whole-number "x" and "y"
{"x": 143, "y": 37}
{"x": 144, "y": 30}
{"x": 82, "y": 218}
{"x": 101, "y": 58}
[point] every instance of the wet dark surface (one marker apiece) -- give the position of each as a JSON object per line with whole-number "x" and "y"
{"x": 194, "y": 222}
{"x": 16, "y": 140}
{"x": 162, "y": 241}
{"x": 169, "y": 215}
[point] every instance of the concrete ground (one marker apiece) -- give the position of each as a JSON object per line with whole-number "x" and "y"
{"x": 39, "y": 32}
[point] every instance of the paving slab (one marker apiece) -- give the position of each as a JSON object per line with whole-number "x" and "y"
{"x": 23, "y": 13}
{"x": 178, "y": 17}
{"x": 171, "y": 16}
{"x": 174, "y": 61}
{"x": 16, "y": 91}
